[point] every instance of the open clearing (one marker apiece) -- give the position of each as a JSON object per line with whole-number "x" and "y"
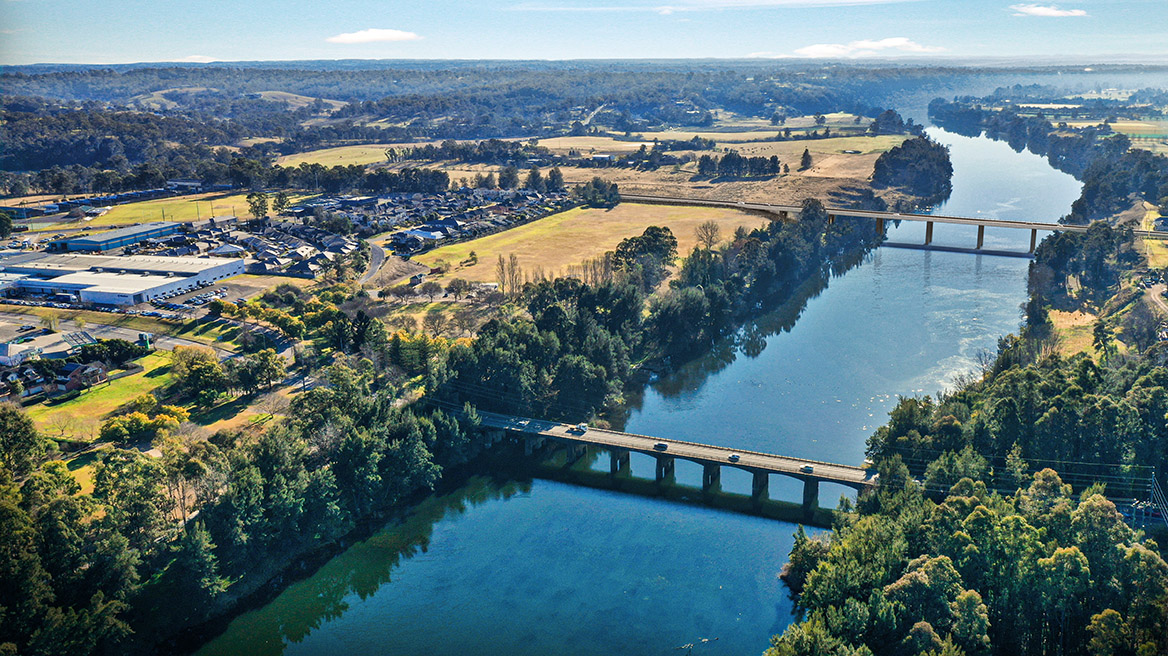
{"x": 182, "y": 208}
{"x": 568, "y": 238}
{"x": 82, "y": 416}
{"x": 592, "y": 144}
{"x": 832, "y": 169}
{"x": 1075, "y": 332}
{"x": 1156, "y": 250}
{"x": 341, "y": 155}
{"x": 296, "y": 101}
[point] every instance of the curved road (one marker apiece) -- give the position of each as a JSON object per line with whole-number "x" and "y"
{"x": 376, "y": 259}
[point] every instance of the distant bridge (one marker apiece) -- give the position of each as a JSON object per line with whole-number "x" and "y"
{"x": 787, "y": 212}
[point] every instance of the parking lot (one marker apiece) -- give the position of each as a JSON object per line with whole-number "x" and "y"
{"x": 10, "y": 331}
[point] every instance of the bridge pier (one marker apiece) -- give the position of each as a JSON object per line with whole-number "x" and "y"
{"x": 980, "y": 235}
{"x": 711, "y": 477}
{"x": 618, "y": 459}
{"x": 830, "y": 219}
{"x": 664, "y": 468}
{"x": 1033, "y": 240}
{"x": 530, "y": 444}
{"x": 880, "y": 226}
{"x": 810, "y": 497}
{"x": 760, "y": 488}
{"x": 574, "y": 453}
{"x": 928, "y": 233}
{"x": 784, "y": 215}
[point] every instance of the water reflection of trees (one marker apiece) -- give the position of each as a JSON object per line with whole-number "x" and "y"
{"x": 362, "y": 569}
{"x": 750, "y": 340}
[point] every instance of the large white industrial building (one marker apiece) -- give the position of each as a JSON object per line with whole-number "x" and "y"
{"x": 105, "y": 280}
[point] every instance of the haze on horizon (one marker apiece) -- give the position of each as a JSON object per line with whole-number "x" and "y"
{"x": 126, "y": 31}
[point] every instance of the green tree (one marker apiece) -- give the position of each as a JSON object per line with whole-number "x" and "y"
{"x": 195, "y": 571}
{"x": 21, "y": 446}
{"x": 508, "y": 177}
{"x": 5, "y": 224}
{"x": 131, "y": 486}
{"x": 555, "y": 179}
{"x": 280, "y": 202}
{"x": 805, "y": 160}
{"x": 206, "y": 381}
{"x": 257, "y": 204}
{"x": 1103, "y": 340}
{"x": 269, "y": 367}
{"x": 535, "y": 180}
{"x": 458, "y": 288}
{"x": 430, "y": 289}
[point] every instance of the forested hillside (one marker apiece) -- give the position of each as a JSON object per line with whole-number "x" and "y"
{"x": 995, "y": 528}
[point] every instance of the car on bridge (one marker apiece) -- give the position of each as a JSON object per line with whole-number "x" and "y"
{"x": 734, "y": 457}
{"x": 579, "y": 429}
{"x": 806, "y": 469}
{"x": 661, "y": 446}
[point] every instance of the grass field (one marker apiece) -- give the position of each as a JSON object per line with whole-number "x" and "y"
{"x": 791, "y": 150}
{"x": 591, "y": 144}
{"x": 182, "y": 208}
{"x": 560, "y": 240}
{"x": 362, "y": 155}
{"x": 82, "y": 416}
{"x": 296, "y": 101}
{"x": 1075, "y": 332}
{"x": 1155, "y": 249}
{"x": 145, "y": 324}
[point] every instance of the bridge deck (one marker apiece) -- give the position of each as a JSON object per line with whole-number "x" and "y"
{"x": 705, "y": 454}
{"x": 873, "y": 214}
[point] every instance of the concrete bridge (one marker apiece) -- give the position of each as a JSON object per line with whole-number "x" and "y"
{"x": 788, "y": 212}
{"x": 535, "y": 433}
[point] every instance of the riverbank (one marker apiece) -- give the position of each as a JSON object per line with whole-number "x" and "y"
{"x": 767, "y": 389}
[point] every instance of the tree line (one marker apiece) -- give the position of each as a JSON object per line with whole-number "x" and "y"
{"x": 990, "y": 531}
{"x": 919, "y": 165}
{"x": 574, "y": 356}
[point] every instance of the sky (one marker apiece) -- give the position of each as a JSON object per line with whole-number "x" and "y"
{"x": 128, "y": 31}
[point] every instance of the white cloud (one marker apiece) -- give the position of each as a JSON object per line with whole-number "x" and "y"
{"x": 373, "y": 35}
{"x": 1047, "y": 11}
{"x": 196, "y": 59}
{"x": 865, "y": 48}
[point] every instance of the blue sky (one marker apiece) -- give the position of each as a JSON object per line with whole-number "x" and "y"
{"x": 123, "y": 31}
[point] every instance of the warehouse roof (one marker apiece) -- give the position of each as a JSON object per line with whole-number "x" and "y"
{"x": 52, "y": 264}
{"x": 116, "y": 283}
{"x": 122, "y": 233}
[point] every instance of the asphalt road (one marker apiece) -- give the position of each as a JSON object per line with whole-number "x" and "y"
{"x": 701, "y": 453}
{"x": 376, "y": 259}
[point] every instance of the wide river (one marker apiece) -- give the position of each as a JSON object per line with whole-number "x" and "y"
{"x": 549, "y": 568}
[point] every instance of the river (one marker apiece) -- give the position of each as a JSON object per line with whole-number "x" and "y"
{"x": 546, "y": 568}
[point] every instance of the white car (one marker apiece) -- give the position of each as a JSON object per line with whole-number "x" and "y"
{"x": 581, "y": 428}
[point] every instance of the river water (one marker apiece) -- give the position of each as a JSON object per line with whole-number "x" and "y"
{"x": 545, "y": 567}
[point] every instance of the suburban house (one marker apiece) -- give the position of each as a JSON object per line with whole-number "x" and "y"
{"x": 74, "y": 376}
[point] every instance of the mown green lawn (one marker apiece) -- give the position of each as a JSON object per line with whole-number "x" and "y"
{"x": 81, "y": 417}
